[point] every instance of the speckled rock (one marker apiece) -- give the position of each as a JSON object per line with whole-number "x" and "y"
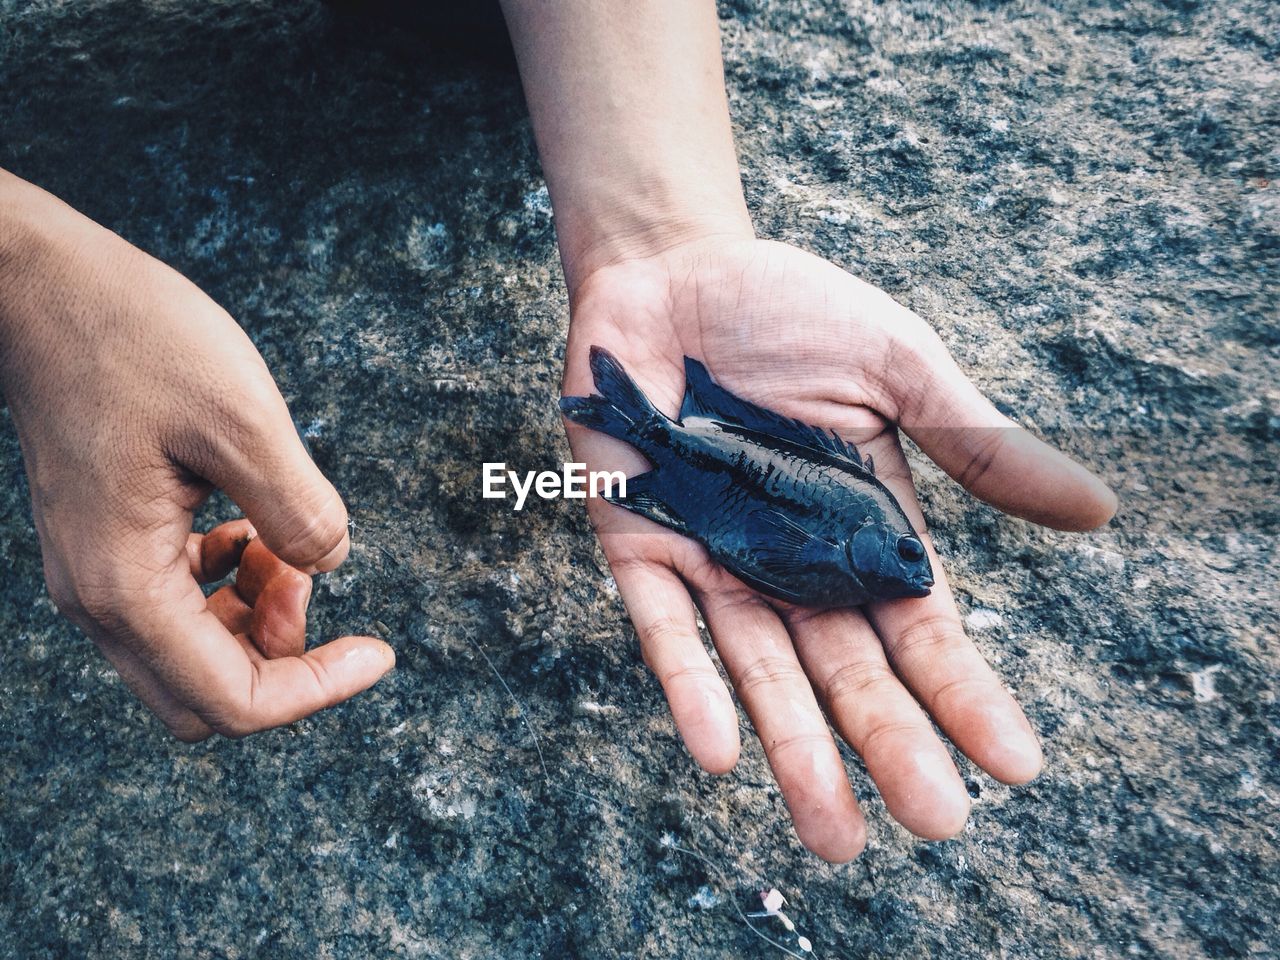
{"x": 1081, "y": 196}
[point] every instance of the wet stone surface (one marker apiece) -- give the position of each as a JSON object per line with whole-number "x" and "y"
{"x": 1080, "y": 196}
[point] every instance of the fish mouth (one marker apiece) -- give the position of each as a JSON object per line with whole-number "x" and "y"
{"x": 918, "y": 588}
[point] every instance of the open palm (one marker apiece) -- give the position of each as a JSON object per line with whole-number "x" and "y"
{"x": 794, "y": 333}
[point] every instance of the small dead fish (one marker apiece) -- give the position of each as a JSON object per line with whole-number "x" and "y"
{"x": 792, "y": 510}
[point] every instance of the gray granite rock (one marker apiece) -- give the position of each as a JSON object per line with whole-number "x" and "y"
{"x": 1081, "y": 196}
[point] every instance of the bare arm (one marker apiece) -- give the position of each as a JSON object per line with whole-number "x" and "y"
{"x": 629, "y": 109}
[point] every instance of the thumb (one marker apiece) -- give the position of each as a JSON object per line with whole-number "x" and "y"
{"x": 987, "y": 453}
{"x": 266, "y": 470}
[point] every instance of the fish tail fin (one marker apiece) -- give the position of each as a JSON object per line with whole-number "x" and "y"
{"x": 596, "y": 413}
{"x": 620, "y": 409}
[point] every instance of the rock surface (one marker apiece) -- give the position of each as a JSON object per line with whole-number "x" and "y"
{"x": 1081, "y": 196}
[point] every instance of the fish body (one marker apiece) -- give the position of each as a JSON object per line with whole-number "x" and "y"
{"x": 789, "y": 509}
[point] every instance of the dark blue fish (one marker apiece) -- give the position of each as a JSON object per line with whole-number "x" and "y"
{"x": 788, "y": 508}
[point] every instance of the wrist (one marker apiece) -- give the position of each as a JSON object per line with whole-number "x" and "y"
{"x": 629, "y": 109}
{"x": 644, "y": 219}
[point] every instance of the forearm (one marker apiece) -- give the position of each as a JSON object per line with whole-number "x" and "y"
{"x": 632, "y": 123}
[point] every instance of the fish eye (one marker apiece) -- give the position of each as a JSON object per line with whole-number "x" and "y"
{"x": 910, "y": 549}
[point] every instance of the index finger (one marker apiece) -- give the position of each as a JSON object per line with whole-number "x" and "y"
{"x": 926, "y": 643}
{"x": 213, "y": 555}
{"x": 929, "y": 650}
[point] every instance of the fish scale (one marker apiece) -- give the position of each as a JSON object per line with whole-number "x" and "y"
{"x": 788, "y": 508}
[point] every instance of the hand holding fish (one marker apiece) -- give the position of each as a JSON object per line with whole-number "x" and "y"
{"x": 633, "y": 127}
{"x": 797, "y": 335}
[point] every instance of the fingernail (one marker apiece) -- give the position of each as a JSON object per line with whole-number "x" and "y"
{"x": 332, "y": 560}
{"x": 940, "y": 805}
{"x": 1014, "y": 754}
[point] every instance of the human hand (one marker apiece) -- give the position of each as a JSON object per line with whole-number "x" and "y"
{"x": 134, "y": 397}
{"x": 798, "y": 335}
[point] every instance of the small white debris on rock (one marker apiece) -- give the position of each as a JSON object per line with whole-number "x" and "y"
{"x": 315, "y": 428}
{"x": 704, "y": 899}
{"x": 1202, "y": 685}
{"x": 538, "y": 201}
{"x": 1101, "y": 561}
{"x": 1250, "y": 788}
{"x": 586, "y": 708}
{"x": 984, "y": 619}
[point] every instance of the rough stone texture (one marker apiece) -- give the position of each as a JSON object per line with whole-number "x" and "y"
{"x": 1082, "y": 197}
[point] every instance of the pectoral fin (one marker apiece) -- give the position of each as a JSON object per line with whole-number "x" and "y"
{"x": 784, "y": 547}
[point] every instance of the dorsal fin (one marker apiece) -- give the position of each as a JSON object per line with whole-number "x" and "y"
{"x": 703, "y": 397}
